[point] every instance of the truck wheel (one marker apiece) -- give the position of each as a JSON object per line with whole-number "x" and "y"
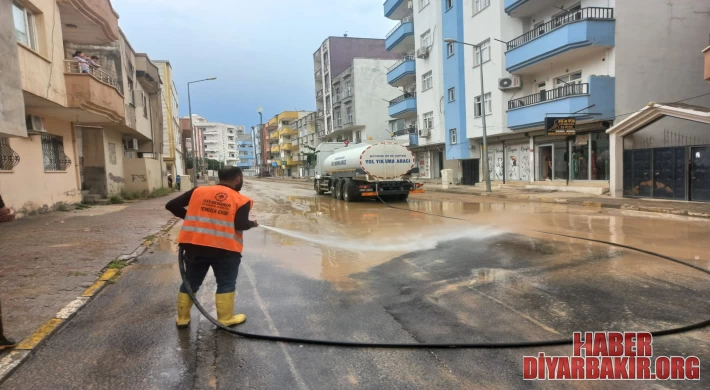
{"x": 339, "y": 189}
{"x": 316, "y": 186}
{"x": 333, "y": 187}
{"x": 349, "y": 194}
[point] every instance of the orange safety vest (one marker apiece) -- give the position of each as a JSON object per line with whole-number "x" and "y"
{"x": 210, "y": 218}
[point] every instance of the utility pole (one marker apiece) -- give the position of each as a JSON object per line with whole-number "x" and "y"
{"x": 484, "y": 156}
{"x": 192, "y": 131}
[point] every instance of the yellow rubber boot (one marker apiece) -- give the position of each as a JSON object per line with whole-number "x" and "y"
{"x": 225, "y": 310}
{"x": 184, "y": 304}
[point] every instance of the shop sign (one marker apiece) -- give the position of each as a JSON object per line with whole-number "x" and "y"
{"x": 560, "y": 126}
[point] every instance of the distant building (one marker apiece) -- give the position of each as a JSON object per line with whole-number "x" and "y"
{"x": 221, "y": 141}
{"x": 351, "y": 89}
{"x": 172, "y": 145}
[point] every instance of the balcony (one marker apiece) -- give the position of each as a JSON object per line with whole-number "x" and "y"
{"x": 336, "y": 101}
{"x": 93, "y": 22}
{"x": 275, "y": 149}
{"x": 402, "y": 72}
{"x": 574, "y": 34}
{"x": 274, "y": 135}
{"x": 401, "y": 38}
{"x": 319, "y": 94}
{"x": 287, "y": 146}
{"x": 396, "y": 9}
{"x": 347, "y": 95}
{"x": 528, "y": 8}
{"x": 288, "y": 131}
{"x": 320, "y": 114}
{"x": 319, "y": 75}
{"x": 97, "y": 94}
{"x": 295, "y": 141}
{"x": 596, "y": 96}
{"x": 404, "y": 106}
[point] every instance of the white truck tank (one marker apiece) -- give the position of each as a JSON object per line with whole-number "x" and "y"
{"x": 382, "y": 161}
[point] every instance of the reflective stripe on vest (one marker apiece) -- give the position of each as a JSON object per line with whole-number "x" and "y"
{"x": 212, "y": 232}
{"x": 209, "y": 220}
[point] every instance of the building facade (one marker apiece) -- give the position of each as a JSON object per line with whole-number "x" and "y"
{"x": 588, "y": 60}
{"x": 283, "y": 148}
{"x": 350, "y": 84}
{"x": 172, "y": 145}
{"x": 221, "y": 141}
{"x": 257, "y": 144}
{"x": 87, "y": 133}
{"x": 307, "y": 143}
{"x": 192, "y": 145}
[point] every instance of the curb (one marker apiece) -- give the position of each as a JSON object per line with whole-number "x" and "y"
{"x": 26, "y": 347}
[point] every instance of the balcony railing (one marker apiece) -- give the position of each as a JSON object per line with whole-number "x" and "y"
{"x": 400, "y": 99}
{"x": 319, "y": 94}
{"x": 320, "y": 114}
{"x": 319, "y": 74}
{"x": 398, "y": 63}
{"x": 401, "y": 22}
{"x": 553, "y": 94}
{"x": 592, "y": 13}
{"x": 106, "y": 77}
{"x": 406, "y": 131}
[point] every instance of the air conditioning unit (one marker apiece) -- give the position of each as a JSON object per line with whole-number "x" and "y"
{"x": 34, "y": 124}
{"x": 410, "y": 4}
{"x": 423, "y": 52}
{"x": 512, "y": 82}
{"x": 424, "y": 132}
{"x": 131, "y": 144}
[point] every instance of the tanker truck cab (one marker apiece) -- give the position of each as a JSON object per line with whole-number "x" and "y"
{"x": 360, "y": 171}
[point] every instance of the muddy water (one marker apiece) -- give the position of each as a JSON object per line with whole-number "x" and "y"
{"x": 333, "y": 240}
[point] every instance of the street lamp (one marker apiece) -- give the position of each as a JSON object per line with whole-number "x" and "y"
{"x": 484, "y": 156}
{"x": 192, "y": 131}
{"x": 262, "y": 163}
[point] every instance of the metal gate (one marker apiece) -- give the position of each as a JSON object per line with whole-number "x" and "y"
{"x": 700, "y": 174}
{"x": 469, "y": 172}
{"x": 656, "y": 173}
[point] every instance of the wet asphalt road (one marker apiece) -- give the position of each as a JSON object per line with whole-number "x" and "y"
{"x": 492, "y": 284}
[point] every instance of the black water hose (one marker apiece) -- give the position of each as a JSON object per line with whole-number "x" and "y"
{"x": 501, "y": 345}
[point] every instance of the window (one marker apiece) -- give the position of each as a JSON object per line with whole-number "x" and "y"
{"x": 482, "y": 52}
{"x": 349, "y": 114}
{"x": 358, "y": 136}
{"x": 426, "y": 81}
{"x": 452, "y": 94}
{"x": 450, "y": 48}
{"x": 452, "y": 136}
{"x": 8, "y": 157}
{"x": 425, "y": 39}
{"x": 336, "y": 94}
{"x": 487, "y": 105}
{"x": 480, "y": 5}
{"x": 24, "y": 20}
{"x": 449, "y": 4}
{"x": 572, "y": 78}
{"x": 338, "y": 121}
{"x": 53, "y": 153}
{"x": 348, "y": 91}
{"x": 428, "y": 119}
{"x": 423, "y": 3}
{"x": 145, "y": 105}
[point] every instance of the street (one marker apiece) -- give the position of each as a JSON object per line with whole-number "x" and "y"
{"x": 370, "y": 273}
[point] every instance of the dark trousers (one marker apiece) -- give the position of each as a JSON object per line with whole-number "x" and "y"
{"x": 177, "y": 185}
{"x": 225, "y": 269}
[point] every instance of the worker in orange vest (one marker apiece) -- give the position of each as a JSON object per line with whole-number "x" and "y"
{"x": 212, "y": 236}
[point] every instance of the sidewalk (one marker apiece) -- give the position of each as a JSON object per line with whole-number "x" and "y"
{"x": 692, "y": 209}
{"x": 48, "y": 260}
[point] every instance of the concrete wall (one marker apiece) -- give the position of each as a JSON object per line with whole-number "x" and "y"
{"x": 660, "y": 41}
{"x": 27, "y": 188}
{"x": 12, "y": 107}
{"x": 343, "y": 50}
{"x": 142, "y": 174}
{"x": 370, "y": 94}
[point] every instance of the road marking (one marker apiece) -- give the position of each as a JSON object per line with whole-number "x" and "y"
{"x": 73, "y": 307}
{"x": 272, "y": 326}
{"x": 93, "y": 289}
{"x": 108, "y": 274}
{"x": 31, "y": 341}
{"x": 9, "y": 363}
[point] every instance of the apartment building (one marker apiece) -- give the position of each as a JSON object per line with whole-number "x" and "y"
{"x": 192, "y": 145}
{"x": 282, "y": 148}
{"x": 172, "y": 147}
{"x": 89, "y": 124}
{"x": 221, "y": 141}
{"x": 573, "y": 59}
{"x": 418, "y": 113}
{"x": 350, "y": 86}
{"x": 307, "y": 142}
{"x": 257, "y": 140}
{"x": 245, "y": 153}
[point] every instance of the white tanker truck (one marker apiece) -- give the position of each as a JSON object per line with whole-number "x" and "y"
{"x": 353, "y": 172}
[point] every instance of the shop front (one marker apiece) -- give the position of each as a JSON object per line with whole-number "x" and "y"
{"x": 583, "y": 156}
{"x": 510, "y": 160}
{"x": 430, "y": 161}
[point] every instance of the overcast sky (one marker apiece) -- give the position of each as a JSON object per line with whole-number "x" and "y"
{"x": 260, "y": 51}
